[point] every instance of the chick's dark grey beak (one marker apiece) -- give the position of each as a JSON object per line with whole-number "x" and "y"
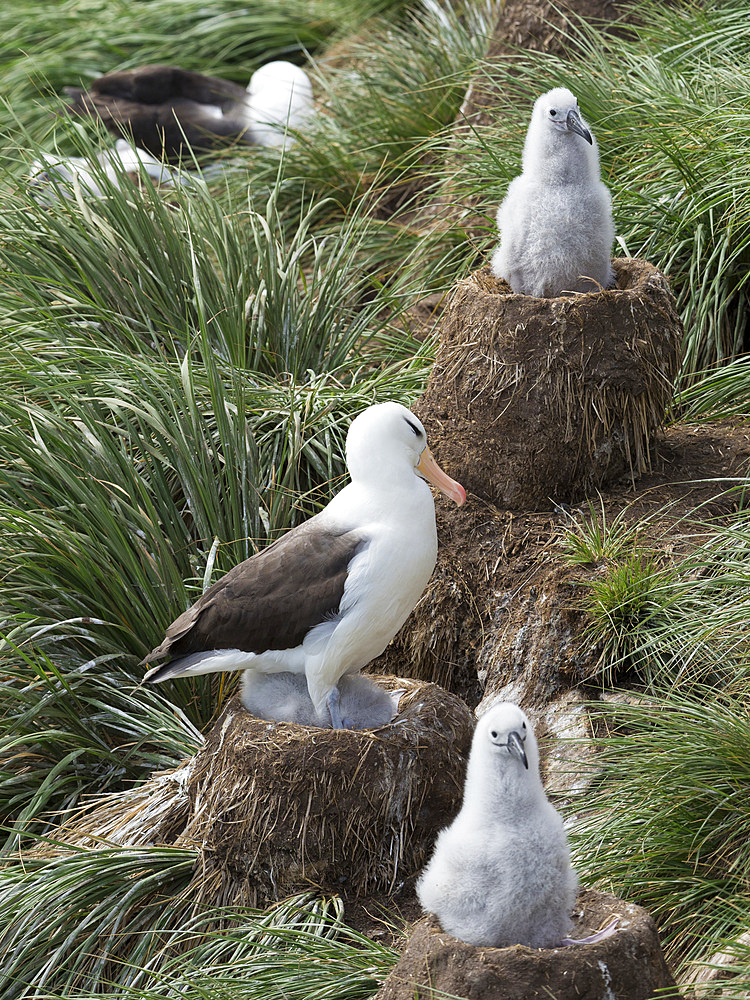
{"x": 575, "y": 124}
{"x": 515, "y": 748}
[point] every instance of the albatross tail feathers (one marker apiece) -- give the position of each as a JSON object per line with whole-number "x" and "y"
{"x": 205, "y": 662}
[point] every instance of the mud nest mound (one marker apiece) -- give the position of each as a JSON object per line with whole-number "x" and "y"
{"x": 276, "y": 808}
{"x": 629, "y": 965}
{"x": 538, "y": 399}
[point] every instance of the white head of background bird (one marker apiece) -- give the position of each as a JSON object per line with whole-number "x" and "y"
{"x": 559, "y": 145}
{"x": 281, "y": 75}
{"x": 504, "y": 760}
{"x": 385, "y": 441}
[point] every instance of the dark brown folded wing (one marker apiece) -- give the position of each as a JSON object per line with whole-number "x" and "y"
{"x": 270, "y": 601}
{"x": 160, "y": 107}
{"x": 156, "y": 84}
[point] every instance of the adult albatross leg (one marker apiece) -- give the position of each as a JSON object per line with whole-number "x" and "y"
{"x": 329, "y": 595}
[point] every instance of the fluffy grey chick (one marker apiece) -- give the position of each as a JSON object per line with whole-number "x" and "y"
{"x": 500, "y": 873}
{"x": 555, "y": 223}
{"x": 284, "y": 697}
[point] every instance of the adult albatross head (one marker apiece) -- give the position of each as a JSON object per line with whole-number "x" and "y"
{"x": 328, "y": 596}
{"x": 384, "y": 441}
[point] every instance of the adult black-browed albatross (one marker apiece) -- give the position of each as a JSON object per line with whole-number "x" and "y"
{"x": 164, "y": 108}
{"x": 330, "y": 594}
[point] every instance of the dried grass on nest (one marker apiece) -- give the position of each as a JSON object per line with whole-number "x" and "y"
{"x": 153, "y": 813}
{"x": 593, "y": 372}
{"x": 276, "y": 808}
{"x": 565, "y": 378}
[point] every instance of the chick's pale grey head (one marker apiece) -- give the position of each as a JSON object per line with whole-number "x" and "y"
{"x": 504, "y": 732}
{"x": 558, "y": 111}
{"x": 387, "y": 438}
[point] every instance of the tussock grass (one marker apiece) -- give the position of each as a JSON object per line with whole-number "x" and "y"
{"x": 721, "y": 392}
{"x": 400, "y": 88}
{"x": 683, "y": 620}
{"x": 669, "y": 826}
{"x": 591, "y": 539}
{"x": 73, "y": 730}
{"x": 74, "y": 917}
{"x": 116, "y": 922}
{"x": 269, "y": 294}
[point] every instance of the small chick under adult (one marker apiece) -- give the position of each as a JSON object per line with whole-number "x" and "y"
{"x": 500, "y": 874}
{"x": 284, "y": 698}
{"x": 556, "y": 228}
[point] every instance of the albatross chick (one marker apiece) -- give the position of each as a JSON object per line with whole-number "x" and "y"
{"x": 285, "y": 698}
{"x": 555, "y": 223}
{"x": 500, "y": 874}
{"x": 330, "y": 594}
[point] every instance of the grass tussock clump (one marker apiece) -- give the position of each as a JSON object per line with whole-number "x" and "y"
{"x": 667, "y": 823}
{"x": 669, "y": 827}
{"x": 663, "y": 618}
{"x": 123, "y": 925}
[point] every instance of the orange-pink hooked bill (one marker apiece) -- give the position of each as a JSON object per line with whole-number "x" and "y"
{"x": 432, "y": 472}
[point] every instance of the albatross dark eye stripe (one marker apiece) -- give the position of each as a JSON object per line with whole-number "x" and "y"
{"x": 413, "y": 426}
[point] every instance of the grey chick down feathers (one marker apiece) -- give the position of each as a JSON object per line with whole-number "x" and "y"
{"x": 556, "y": 229}
{"x": 500, "y": 873}
{"x": 284, "y": 697}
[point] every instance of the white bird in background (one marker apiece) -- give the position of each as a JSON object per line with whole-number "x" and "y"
{"x": 285, "y": 698}
{"x": 165, "y": 109}
{"x": 556, "y": 228}
{"x": 279, "y": 98}
{"x": 330, "y": 594}
{"x": 500, "y": 873}
{"x": 52, "y": 173}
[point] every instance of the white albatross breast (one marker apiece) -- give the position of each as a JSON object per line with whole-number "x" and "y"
{"x": 329, "y": 595}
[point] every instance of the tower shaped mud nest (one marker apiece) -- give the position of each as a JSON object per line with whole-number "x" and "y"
{"x": 276, "y": 808}
{"x": 628, "y": 965}
{"x": 540, "y": 400}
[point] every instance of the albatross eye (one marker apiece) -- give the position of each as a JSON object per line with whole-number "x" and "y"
{"x": 552, "y": 112}
{"x": 413, "y": 426}
{"x": 493, "y": 734}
